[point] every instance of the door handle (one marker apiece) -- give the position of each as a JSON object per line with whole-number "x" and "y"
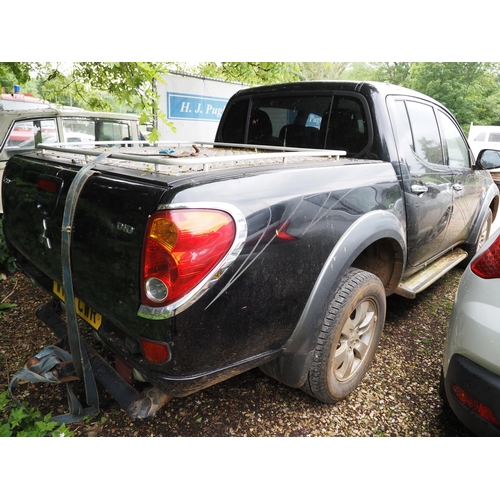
{"x": 419, "y": 189}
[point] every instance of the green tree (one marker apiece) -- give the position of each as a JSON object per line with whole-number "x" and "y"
{"x": 103, "y": 85}
{"x": 89, "y": 84}
{"x": 16, "y": 74}
{"x": 250, "y": 73}
{"x": 360, "y": 71}
{"x": 392, "y": 72}
{"x": 469, "y": 89}
{"x": 317, "y": 70}
{"x": 463, "y": 87}
{"x": 489, "y": 113}
{"x": 12, "y": 73}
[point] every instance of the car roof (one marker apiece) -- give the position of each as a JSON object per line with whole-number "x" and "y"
{"x": 26, "y": 98}
{"x": 362, "y": 87}
{"x": 19, "y": 114}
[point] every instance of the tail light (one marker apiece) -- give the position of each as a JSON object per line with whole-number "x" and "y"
{"x": 183, "y": 249}
{"x": 474, "y": 405}
{"x": 487, "y": 264}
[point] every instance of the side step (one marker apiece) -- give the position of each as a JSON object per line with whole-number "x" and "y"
{"x": 422, "y": 279}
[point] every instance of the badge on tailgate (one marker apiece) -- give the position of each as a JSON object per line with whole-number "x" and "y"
{"x": 92, "y": 317}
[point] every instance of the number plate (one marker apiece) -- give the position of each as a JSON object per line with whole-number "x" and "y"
{"x": 92, "y": 317}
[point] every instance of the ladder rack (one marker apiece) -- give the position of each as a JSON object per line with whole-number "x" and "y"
{"x": 190, "y": 154}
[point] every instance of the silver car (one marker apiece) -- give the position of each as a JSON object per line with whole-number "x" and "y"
{"x": 470, "y": 381}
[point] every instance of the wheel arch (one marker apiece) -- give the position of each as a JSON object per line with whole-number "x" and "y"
{"x": 376, "y": 243}
{"x": 491, "y": 201}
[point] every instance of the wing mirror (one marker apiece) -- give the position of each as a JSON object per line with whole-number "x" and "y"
{"x": 488, "y": 159}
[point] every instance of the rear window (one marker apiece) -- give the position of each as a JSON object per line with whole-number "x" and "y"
{"x": 302, "y": 121}
{"x": 484, "y": 137}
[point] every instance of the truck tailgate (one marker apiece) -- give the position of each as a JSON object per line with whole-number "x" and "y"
{"x": 107, "y": 233}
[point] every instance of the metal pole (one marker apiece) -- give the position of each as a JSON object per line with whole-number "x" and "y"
{"x": 155, "y": 114}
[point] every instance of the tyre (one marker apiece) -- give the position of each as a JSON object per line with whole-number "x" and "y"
{"x": 349, "y": 337}
{"x": 484, "y": 234}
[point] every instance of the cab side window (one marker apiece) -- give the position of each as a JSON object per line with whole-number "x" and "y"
{"x": 456, "y": 151}
{"x": 29, "y": 133}
{"x": 108, "y": 130}
{"x": 426, "y": 138}
{"x": 77, "y": 129}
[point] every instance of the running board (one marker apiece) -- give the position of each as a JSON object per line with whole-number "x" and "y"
{"x": 422, "y": 279}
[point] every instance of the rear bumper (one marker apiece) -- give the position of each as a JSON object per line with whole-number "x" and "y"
{"x": 480, "y": 384}
{"x": 174, "y": 386}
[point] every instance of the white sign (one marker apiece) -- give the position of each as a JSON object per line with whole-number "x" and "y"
{"x": 194, "y": 105}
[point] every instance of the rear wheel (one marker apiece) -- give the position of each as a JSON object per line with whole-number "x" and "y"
{"x": 349, "y": 337}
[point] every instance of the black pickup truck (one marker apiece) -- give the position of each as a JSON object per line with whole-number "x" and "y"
{"x": 274, "y": 247}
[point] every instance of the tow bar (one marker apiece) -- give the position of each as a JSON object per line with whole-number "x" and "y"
{"x": 137, "y": 404}
{"x": 55, "y": 365}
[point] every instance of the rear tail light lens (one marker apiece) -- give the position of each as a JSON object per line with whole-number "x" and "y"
{"x": 487, "y": 264}
{"x": 476, "y": 406}
{"x": 182, "y": 247}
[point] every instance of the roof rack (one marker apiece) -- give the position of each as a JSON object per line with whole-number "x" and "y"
{"x": 164, "y": 156}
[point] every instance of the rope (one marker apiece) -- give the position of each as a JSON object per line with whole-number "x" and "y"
{"x": 42, "y": 371}
{"x": 80, "y": 358}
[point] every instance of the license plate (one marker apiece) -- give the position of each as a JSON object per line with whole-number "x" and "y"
{"x": 92, "y": 317}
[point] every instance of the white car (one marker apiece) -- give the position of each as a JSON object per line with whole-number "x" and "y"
{"x": 21, "y": 101}
{"x": 69, "y": 137}
{"x": 484, "y": 137}
{"x": 470, "y": 381}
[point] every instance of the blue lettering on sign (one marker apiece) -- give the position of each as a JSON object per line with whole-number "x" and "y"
{"x": 194, "y": 107}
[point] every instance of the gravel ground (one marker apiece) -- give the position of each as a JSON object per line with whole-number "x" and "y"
{"x": 398, "y": 397}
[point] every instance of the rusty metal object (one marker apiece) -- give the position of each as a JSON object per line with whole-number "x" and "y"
{"x": 65, "y": 372}
{"x": 148, "y": 403}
